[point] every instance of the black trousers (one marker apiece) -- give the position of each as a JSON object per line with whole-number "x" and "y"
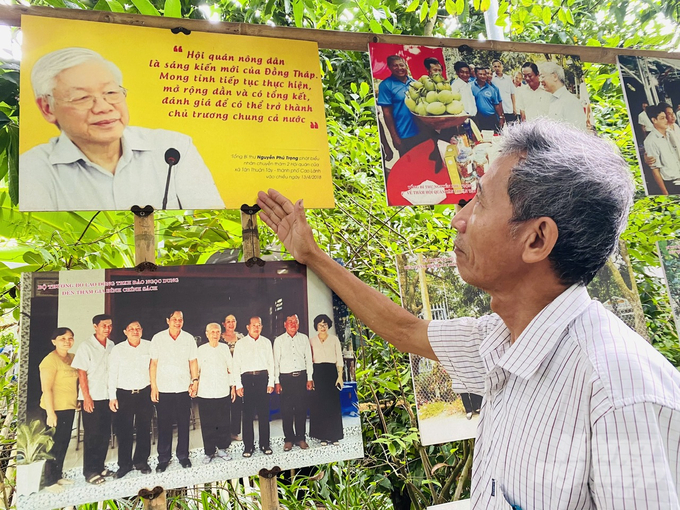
{"x": 487, "y": 122}
{"x": 235, "y": 410}
{"x": 294, "y": 405}
{"x": 215, "y": 423}
{"x": 134, "y": 413}
{"x": 62, "y": 436}
{"x": 472, "y": 402}
{"x": 255, "y": 402}
{"x": 173, "y": 408}
{"x": 97, "y": 431}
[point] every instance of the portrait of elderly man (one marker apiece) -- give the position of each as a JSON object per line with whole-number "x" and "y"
{"x": 579, "y": 411}
{"x": 293, "y": 379}
{"x": 130, "y": 399}
{"x": 563, "y": 104}
{"x": 532, "y": 101}
{"x": 215, "y": 394}
{"x": 99, "y": 161}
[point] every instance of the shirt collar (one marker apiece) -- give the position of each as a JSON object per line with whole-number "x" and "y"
{"x": 66, "y": 152}
{"x": 524, "y": 357}
{"x": 560, "y": 92}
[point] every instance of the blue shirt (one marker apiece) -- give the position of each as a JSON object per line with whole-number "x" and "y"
{"x": 392, "y": 92}
{"x": 486, "y": 97}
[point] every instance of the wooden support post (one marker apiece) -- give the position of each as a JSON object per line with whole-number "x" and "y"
{"x": 145, "y": 238}
{"x": 154, "y": 499}
{"x": 269, "y": 493}
{"x": 251, "y": 237}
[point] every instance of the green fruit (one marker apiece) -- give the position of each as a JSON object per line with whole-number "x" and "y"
{"x": 436, "y": 108}
{"x": 416, "y": 85}
{"x": 429, "y": 84}
{"x": 421, "y": 109}
{"x": 437, "y": 78}
{"x": 454, "y": 108}
{"x": 414, "y": 94}
{"x": 424, "y": 79}
{"x": 431, "y": 97}
{"x": 410, "y": 104}
{"x": 446, "y": 86}
{"x": 457, "y": 96}
{"x": 445, "y": 96}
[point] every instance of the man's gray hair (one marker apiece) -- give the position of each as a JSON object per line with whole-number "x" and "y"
{"x": 577, "y": 179}
{"x": 552, "y": 68}
{"x": 46, "y": 69}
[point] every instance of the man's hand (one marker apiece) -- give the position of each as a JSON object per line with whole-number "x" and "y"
{"x": 277, "y": 388}
{"x": 310, "y": 385}
{"x": 88, "y": 404}
{"x": 288, "y": 222}
{"x": 239, "y": 392}
{"x": 270, "y": 389}
{"x": 51, "y": 419}
{"x": 650, "y": 160}
{"x": 113, "y": 405}
{"x": 154, "y": 395}
{"x": 233, "y": 393}
{"x": 339, "y": 383}
{"x": 193, "y": 389}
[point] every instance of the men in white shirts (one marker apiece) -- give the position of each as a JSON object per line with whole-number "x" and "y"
{"x": 293, "y": 371}
{"x": 662, "y": 147}
{"x": 579, "y": 411}
{"x": 254, "y": 373}
{"x": 507, "y": 89}
{"x": 532, "y": 101}
{"x": 215, "y": 394}
{"x": 563, "y": 105}
{"x": 174, "y": 381}
{"x": 643, "y": 119}
{"x": 92, "y": 362}
{"x": 462, "y": 86}
{"x": 130, "y": 399}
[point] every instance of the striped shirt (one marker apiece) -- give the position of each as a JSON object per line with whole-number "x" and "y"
{"x": 579, "y": 413}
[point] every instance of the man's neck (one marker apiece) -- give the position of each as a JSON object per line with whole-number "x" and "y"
{"x": 174, "y": 333}
{"x": 403, "y": 80}
{"x": 661, "y": 130}
{"x": 480, "y": 84}
{"x": 499, "y": 75}
{"x": 518, "y": 305}
{"x": 104, "y": 155}
{"x": 102, "y": 340}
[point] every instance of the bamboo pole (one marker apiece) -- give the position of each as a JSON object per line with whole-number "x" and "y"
{"x": 328, "y": 39}
{"x": 269, "y": 494}
{"x": 145, "y": 238}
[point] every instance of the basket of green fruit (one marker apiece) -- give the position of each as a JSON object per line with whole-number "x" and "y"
{"x": 433, "y": 103}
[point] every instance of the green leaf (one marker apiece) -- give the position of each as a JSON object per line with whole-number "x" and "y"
{"x": 298, "y": 10}
{"x": 451, "y": 7}
{"x": 423, "y": 11}
{"x": 146, "y": 7}
{"x": 13, "y": 162}
{"x": 485, "y": 5}
{"x": 375, "y": 27}
{"x": 172, "y": 9}
{"x": 115, "y": 6}
{"x": 547, "y": 15}
{"x": 569, "y": 16}
{"x": 413, "y": 6}
{"x": 434, "y": 7}
{"x": 102, "y": 5}
{"x": 476, "y": 4}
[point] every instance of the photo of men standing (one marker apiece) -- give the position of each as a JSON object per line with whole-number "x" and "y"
{"x": 91, "y": 361}
{"x": 293, "y": 371}
{"x": 174, "y": 381}
{"x": 254, "y": 372}
{"x": 130, "y": 399}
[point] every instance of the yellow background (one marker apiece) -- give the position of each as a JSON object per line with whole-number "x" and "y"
{"x": 132, "y": 48}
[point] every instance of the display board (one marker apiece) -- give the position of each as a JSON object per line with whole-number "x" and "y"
{"x": 115, "y": 116}
{"x": 210, "y": 300}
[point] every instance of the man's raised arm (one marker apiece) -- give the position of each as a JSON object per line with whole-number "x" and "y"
{"x": 387, "y": 319}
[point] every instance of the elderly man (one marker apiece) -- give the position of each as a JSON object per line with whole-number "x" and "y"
{"x": 254, "y": 376}
{"x": 506, "y": 87}
{"x": 489, "y": 102}
{"x": 563, "y": 104}
{"x": 398, "y": 118}
{"x": 98, "y": 162}
{"x": 462, "y": 86}
{"x": 579, "y": 411}
{"x": 532, "y": 101}
{"x": 293, "y": 378}
{"x": 215, "y": 394}
{"x": 661, "y": 149}
{"x": 174, "y": 382}
{"x": 130, "y": 399}
{"x": 92, "y": 362}
{"x": 230, "y": 336}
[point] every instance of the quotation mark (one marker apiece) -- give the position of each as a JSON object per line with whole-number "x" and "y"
{"x": 314, "y": 125}
{"x": 177, "y": 49}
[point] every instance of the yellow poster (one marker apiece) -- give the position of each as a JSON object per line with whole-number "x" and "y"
{"x": 115, "y": 116}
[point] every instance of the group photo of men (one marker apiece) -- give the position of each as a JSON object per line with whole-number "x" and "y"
{"x": 652, "y": 91}
{"x": 224, "y": 374}
{"x": 494, "y": 88}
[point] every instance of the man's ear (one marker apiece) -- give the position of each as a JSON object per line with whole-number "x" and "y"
{"x": 540, "y": 236}
{"x": 47, "y": 110}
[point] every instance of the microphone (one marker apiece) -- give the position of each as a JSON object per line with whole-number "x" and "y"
{"x": 171, "y": 158}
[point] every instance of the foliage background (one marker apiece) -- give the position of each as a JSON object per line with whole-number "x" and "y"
{"x": 397, "y": 471}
